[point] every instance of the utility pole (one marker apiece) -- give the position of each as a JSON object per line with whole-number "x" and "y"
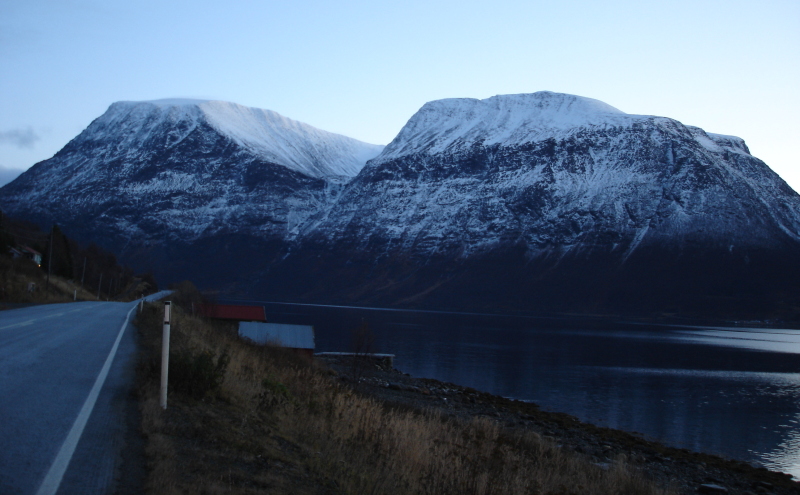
{"x": 84, "y": 271}
{"x": 100, "y": 286}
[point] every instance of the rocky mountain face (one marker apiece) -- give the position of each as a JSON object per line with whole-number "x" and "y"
{"x": 543, "y": 202}
{"x": 187, "y": 187}
{"x": 556, "y": 202}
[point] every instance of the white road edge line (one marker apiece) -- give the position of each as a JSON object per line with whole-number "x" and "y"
{"x": 53, "y": 478}
{"x": 23, "y": 324}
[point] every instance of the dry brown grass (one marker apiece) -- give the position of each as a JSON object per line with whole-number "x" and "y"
{"x": 281, "y": 424}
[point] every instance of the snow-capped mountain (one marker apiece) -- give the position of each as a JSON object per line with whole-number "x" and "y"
{"x": 532, "y": 199}
{"x": 540, "y": 201}
{"x": 171, "y": 172}
{"x": 555, "y": 172}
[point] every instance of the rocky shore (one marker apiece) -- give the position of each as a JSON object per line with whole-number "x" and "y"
{"x": 684, "y": 471}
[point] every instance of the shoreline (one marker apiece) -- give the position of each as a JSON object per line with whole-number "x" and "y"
{"x": 625, "y": 318}
{"x": 685, "y": 471}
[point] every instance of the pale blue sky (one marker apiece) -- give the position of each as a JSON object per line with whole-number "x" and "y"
{"x": 362, "y": 68}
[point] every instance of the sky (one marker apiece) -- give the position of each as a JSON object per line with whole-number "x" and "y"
{"x": 363, "y": 68}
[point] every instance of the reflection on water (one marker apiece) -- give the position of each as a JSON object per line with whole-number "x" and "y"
{"x": 711, "y": 411}
{"x": 747, "y": 338}
{"x": 786, "y": 456}
{"x": 729, "y": 391}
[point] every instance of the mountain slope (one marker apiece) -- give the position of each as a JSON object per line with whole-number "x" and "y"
{"x": 555, "y": 201}
{"x": 153, "y": 181}
{"x": 266, "y": 134}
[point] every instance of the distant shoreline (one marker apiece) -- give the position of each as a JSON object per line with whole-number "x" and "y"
{"x": 671, "y": 321}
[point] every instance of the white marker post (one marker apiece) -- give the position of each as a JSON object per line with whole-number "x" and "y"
{"x": 165, "y": 356}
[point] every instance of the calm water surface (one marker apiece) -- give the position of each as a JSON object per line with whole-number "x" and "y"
{"x": 728, "y": 391}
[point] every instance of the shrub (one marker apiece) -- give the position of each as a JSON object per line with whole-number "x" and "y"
{"x": 196, "y": 374}
{"x": 274, "y": 393}
{"x": 186, "y": 296}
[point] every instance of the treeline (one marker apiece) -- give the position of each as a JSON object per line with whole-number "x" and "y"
{"x": 92, "y": 267}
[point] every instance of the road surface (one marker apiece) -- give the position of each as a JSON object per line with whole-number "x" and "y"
{"x": 66, "y": 404}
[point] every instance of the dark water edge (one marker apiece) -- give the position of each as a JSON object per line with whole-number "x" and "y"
{"x": 730, "y": 388}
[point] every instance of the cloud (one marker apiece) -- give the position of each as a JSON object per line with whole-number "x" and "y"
{"x": 21, "y": 138}
{"x": 8, "y": 174}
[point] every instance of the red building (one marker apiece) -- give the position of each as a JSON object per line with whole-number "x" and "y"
{"x": 234, "y": 312}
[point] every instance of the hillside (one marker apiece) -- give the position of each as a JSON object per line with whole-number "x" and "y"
{"x": 35, "y": 269}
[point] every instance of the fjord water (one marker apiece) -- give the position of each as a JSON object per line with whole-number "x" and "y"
{"x": 733, "y": 391}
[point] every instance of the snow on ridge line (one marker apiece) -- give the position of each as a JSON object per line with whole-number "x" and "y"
{"x": 532, "y": 102}
{"x": 716, "y": 142}
{"x": 454, "y": 124}
{"x": 292, "y": 143}
{"x": 503, "y": 119}
{"x": 168, "y": 102}
{"x": 267, "y": 133}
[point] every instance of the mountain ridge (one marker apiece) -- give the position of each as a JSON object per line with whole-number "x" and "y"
{"x": 536, "y": 201}
{"x": 580, "y": 173}
{"x": 270, "y": 135}
{"x": 149, "y": 172}
{"x": 584, "y": 214}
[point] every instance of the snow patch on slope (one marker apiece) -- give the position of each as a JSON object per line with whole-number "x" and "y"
{"x": 297, "y": 145}
{"x": 268, "y": 134}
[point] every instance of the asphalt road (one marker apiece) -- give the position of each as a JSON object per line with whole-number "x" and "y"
{"x": 66, "y": 404}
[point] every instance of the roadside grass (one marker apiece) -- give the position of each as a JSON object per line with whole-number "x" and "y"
{"x": 244, "y": 418}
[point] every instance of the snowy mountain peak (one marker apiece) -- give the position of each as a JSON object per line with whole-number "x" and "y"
{"x": 504, "y": 119}
{"x": 169, "y": 102}
{"x": 268, "y": 134}
{"x": 542, "y": 105}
